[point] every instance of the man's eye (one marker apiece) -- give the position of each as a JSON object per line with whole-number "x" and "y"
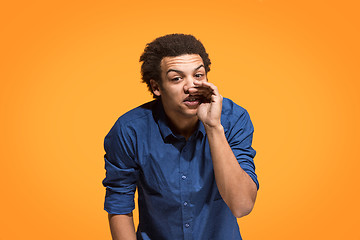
{"x": 199, "y": 75}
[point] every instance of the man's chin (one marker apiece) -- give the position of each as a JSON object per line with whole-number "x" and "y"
{"x": 191, "y": 112}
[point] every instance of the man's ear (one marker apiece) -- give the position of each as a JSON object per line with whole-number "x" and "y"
{"x": 155, "y": 87}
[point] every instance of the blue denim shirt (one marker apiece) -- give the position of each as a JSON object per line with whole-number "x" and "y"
{"x": 177, "y": 193}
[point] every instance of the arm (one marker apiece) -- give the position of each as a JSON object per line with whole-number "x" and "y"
{"x": 122, "y": 226}
{"x": 120, "y": 182}
{"x": 236, "y": 187}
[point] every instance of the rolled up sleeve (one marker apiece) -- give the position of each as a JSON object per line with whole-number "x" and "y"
{"x": 240, "y": 141}
{"x": 121, "y": 170}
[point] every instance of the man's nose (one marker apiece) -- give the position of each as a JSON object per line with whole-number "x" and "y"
{"x": 189, "y": 84}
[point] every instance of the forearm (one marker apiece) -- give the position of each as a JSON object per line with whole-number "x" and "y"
{"x": 122, "y": 227}
{"x": 235, "y": 186}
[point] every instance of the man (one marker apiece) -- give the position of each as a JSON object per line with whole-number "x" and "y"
{"x": 188, "y": 152}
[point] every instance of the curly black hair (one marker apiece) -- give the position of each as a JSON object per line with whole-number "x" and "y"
{"x": 171, "y": 45}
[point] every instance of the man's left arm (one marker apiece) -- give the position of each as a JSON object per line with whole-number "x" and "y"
{"x": 236, "y": 187}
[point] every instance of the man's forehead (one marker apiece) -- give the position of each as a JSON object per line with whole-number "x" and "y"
{"x": 180, "y": 61}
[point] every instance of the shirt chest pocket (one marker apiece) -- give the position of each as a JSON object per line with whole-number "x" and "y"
{"x": 159, "y": 175}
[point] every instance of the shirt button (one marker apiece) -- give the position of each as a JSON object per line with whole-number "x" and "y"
{"x": 183, "y": 177}
{"x": 187, "y": 225}
{"x": 185, "y": 204}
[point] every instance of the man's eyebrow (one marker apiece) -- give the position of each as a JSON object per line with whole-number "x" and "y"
{"x": 178, "y": 71}
{"x": 199, "y": 67}
{"x": 173, "y": 70}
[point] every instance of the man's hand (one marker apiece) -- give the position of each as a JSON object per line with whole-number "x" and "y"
{"x": 209, "y": 111}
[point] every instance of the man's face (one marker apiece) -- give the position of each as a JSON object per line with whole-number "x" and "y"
{"x": 178, "y": 75}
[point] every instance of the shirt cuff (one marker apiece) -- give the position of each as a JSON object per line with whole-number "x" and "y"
{"x": 118, "y": 203}
{"x": 249, "y": 169}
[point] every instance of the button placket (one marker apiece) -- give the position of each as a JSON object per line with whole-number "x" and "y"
{"x": 185, "y": 185}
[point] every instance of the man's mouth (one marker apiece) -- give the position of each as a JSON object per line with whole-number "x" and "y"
{"x": 192, "y": 100}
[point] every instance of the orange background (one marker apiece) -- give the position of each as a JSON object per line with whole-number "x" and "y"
{"x": 70, "y": 68}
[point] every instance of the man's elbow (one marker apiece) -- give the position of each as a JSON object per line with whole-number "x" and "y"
{"x": 241, "y": 212}
{"x": 243, "y": 208}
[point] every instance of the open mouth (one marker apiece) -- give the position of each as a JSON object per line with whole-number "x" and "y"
{"x": 192, "y": 101}
{"x": 200, "y": 99}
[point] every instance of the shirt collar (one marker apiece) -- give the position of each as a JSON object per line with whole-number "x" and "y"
{"x": 163, "y": 123}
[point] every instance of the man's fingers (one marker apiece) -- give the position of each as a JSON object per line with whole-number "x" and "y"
{"x": 206, "y": 89}
{"x": 207, "y": 85}
{"x": 199, "y": 91}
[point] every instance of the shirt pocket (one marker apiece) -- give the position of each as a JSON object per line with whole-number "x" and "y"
{"x": 157, "y": 176}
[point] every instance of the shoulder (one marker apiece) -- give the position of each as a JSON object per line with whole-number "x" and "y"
{"x": 232, "y": 110}
{"x": 234, "y": 116}
{"x": 137, "y": 114}
{"x": 135, "y": 119}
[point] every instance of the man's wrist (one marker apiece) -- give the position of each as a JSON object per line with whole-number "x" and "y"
{"x": 214, "y": 130}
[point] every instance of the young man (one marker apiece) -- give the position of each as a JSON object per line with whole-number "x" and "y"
{"x": 188, "y": 152}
